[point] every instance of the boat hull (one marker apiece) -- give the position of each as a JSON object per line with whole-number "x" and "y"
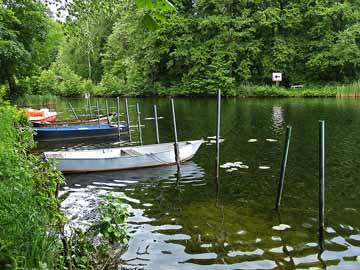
{"x": 94, "y": 121}
{"x": 50, "y": 118}
{"x": 77, "y": 132}
{"x": 124, "y": 162}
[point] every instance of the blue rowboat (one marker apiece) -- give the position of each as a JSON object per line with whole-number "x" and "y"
{"x": 77, "y": 132}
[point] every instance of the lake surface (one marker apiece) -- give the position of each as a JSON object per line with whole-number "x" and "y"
{"x": 191, "y": 223}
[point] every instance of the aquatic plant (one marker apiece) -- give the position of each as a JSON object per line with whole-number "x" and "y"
{"x": 349, "y": 91}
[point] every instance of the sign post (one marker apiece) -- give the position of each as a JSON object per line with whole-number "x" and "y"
{"x": 277, "y": 77}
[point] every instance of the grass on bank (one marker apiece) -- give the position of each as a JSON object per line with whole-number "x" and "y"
{"x": 28, "y": 205}
{"x": 32, "y": 224}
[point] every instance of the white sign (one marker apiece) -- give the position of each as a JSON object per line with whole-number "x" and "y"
{"x": 87, "y": 95}
{"x": 277, "y": 77}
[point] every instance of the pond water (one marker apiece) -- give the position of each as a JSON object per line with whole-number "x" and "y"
{"x": 191, "y": 222}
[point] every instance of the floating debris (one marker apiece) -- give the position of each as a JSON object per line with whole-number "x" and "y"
{"x": 281, "y": 227}
{"x": 234, "y": 165}
{"x": 226, "y": 165}
{"x": 211, "y": 137}
{"x": 271, "y": 140}
{"x": 232, "y": 170}
{"x": 252, "y": 140}
{"x": 152, "y": 118}
{"x": 264, "y": 167}
{"x": 214, "y": 141}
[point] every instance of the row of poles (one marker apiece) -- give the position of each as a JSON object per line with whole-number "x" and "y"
{"x": 138, "y": 112}
{"x": 284, "y": 165}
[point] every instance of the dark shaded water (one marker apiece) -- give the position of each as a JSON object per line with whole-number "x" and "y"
{"x": 189, "y": 224}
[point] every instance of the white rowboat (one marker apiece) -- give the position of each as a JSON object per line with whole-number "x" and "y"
{"x": 123, "y": 158}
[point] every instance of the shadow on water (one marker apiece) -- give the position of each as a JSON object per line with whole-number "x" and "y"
{"x": 193, "y": 221}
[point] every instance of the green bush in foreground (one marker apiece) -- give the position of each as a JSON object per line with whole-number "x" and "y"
{"x": 32, "y": 225}
{"x": 28, "y": 204}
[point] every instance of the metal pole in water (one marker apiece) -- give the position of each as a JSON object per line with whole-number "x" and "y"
{"x": 283, "y": 167}
{"x": 118, "y": 114}
{"x": 139, "y": 122}
{"x": 322, "y": 175}
{"x": 73, "y": 111}
{"x": 98, "y": 111}
{"x": 89, "y": 104}
{"x": 176, "y": 144}
{"x": 128, "y": 118}
{"x": 218, "y": 121}
{"x": 107, "y": 111}
{"x": 156, "y": 125}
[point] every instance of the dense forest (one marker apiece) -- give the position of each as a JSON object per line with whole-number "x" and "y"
{"x": 146, "y": 47}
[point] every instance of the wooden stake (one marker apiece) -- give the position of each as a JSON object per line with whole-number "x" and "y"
{"x": 118, "y": 115}
{"x": 283, "y": 167}
{"x": 73, "y": 111}
{"x": 107, "y": 111}
{"x": 176, "y": 144}
{"x": 218, "y": 122}
{"x": 156, "y": 125}
{"x": 139, "y": 123}
{"x": 128, "y": 118}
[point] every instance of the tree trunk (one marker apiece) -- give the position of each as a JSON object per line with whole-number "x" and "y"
{"x": 13, "y": 89}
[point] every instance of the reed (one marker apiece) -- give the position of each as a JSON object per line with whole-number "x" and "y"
{"x": 36, "y": 101}
{"x": 349, "y": 91}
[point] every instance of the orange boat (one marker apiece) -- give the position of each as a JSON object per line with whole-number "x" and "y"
{"x": 42, "y": 115}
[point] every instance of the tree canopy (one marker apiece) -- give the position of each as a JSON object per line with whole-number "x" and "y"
{"x": 187, "y": 47}
{"x": 24, "y": 44}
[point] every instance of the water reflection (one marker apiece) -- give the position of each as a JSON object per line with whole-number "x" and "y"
{"x": 191, "y": 221}
{"x": 277, "y": 119}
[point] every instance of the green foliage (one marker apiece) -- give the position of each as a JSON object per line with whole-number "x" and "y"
{"x": 29, "y": 207}
{"x": 113, "y": 216}
{"x": 30, "y": 217}
{"x": 195, "y": 48}
{"x": 111, "y": 230}
{"x": 23, "y": 28}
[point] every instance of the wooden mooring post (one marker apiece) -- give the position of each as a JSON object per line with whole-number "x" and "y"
{"x": 98, "y": 111}
{"x": 128, "y": 118}
{"x": 73, "y": 111}
{"x": 321, "y": 175}
{"x": 89, "y": 107}
{"x": 156, "y": 125}
{"x": 176, "y": 143}
{"x": 118, "y": 116}
{"x": 218, "y": 123}
{"x": 283, "y": 167}
{"x": 139, "y": 123}
{"x": 107, "y": 111}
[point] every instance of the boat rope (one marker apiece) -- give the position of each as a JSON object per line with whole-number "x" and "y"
{"x": 154, "y": 157}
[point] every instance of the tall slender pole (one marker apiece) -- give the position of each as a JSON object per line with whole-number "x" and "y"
{"x": 89, "y": 104}
{"x": 283, "y": 167}
{"x": 176, "y": 144}
{"x": 118, "y": 114}
{"x": 98, "y": 111}
{"x": 322, "y": 175}
{"x": 139, "y": 122}
{"x": 156, "y": 125}
{"x": 128, "y": 118}
{"x": 73, "y": 111}
{"x": 107, "y": 111}
{"x": 218, "y": 122}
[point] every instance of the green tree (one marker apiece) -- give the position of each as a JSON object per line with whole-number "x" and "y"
{"x": 22, "y": 24}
